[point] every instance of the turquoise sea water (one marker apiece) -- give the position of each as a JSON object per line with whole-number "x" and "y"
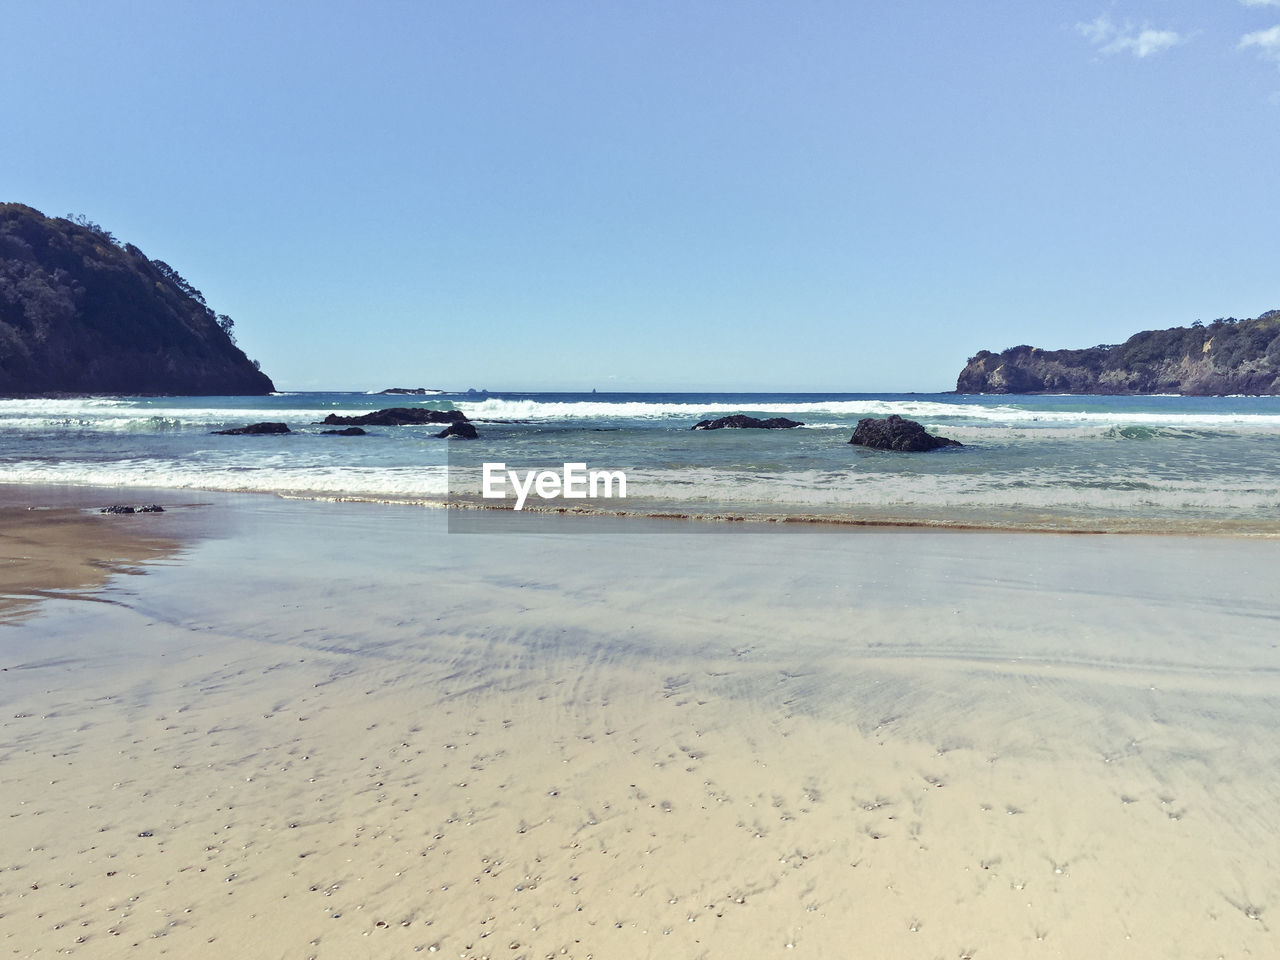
{"x": 1048, "y": 462}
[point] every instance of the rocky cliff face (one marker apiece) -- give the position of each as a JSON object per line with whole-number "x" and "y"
{"x": 1228, "y": 356}
{"x": 81, "y": 313}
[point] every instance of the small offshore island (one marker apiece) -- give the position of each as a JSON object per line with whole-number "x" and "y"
{"x": 1225, "y": 357}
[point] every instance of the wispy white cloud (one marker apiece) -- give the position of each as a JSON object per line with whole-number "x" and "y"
{"x": 1097, "y": 31}
{"x": 1261, "y": 3}
{"x": 1267, "y": 42}
{"x": 1148, "y": 42}
{"x": 1109, "y": 37}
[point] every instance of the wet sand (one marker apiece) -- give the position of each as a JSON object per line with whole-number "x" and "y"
{"x": 335, "y": 730}
{"x": 46, "y": 550}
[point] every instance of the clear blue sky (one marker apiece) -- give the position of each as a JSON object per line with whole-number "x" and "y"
{"x": 663, "y": 195}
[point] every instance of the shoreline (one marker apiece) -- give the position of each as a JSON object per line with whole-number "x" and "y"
{"x": 459, "y": 510}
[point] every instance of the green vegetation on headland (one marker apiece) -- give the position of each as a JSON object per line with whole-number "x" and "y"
{"x": 1227, "y": 356}
{"x": 83, "y": 313}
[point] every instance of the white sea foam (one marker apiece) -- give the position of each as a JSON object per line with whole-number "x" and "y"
{"x": 120, "y": 416}
{"x": 271, "y": 476}
{"x": 827, "y": 490}
{"x": 123, "y": 415}
{"x": 1029, "y": 493}
{"x": 496, "y": 409}
{"x": 70, "y": 406}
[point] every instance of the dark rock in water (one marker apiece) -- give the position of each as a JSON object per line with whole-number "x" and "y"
{"x": 117, "y": 508}
{"x": 254, "y": 428}
{"x": 398, "y": 417}
{"x": 461, "y": 430}
{"x": 345, "y": 432}
{"x": 410, "y": 391}
{"x": 741, "y": 422}
{"x": 151, "y": 508}
{"x": 897, "y": 433}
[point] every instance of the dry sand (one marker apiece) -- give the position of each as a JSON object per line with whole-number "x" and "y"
{"x": 336, "y": 731}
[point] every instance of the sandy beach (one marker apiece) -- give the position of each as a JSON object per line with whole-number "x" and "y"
{"x": 335, "y": 730}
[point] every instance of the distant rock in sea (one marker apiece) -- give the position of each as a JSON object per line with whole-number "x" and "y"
{"x": 410, "y": 391}
{"x": 897, "y": 433}
{"x": 742, "y": 422}
{"x": 345, "y": 432}
{"x": 253, "y": 429}
{"x": 462, "y": 430}
{"x": 1227, "y": 356}
{"x": 83, "y": 313}
{"x": 397, "y": 417}
{"x": 121, "y": 509}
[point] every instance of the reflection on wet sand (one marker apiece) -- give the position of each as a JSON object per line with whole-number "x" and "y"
{"x": 47, "y": 552}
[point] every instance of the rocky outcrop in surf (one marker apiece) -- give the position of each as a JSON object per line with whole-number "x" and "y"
{"x": 462, "y": 430}
{"x": 897, "y": 433}
{"x": 742, "y": 422}
{"x": 396, "y": 417}
{"x": 253, "y": 429}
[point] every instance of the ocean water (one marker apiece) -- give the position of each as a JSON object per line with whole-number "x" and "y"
{"x": 1151, "y": 464}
